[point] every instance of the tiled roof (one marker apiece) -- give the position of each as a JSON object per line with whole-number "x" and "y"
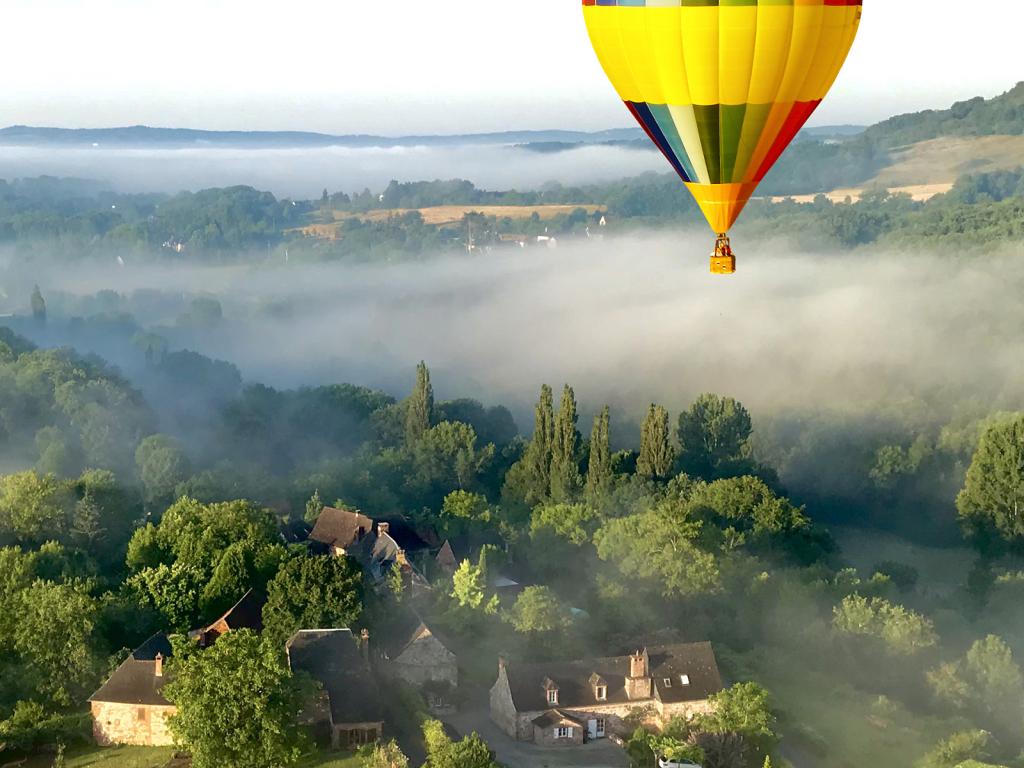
{"x": 135, "y": 681}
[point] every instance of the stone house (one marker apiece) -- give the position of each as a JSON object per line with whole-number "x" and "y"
{"x": 340, "y": 530}
{"x": 566, "y": 703}
{"x": 129, "y": 708}
{"x": 247, "y": 613}
{"x": 347, "y": 710}
{"x": 415, "y": 653}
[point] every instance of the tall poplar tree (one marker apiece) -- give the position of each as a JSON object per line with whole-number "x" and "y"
{"x": 419, "y": 408}
{"x": 656, "y": 452}
{"x": 565, "y": 467}
{"x": 538, "y": 454}
{"x": 599, "y": 469}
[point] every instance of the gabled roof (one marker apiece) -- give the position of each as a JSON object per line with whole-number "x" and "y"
{"x": 247, "y": 613}
{"x": 555, "y": 717}
{"x": 135, "y": 681}
{"x": 340, "y": 527}
{"x": 576, "y": 689}
{"x": 333, "y": 657}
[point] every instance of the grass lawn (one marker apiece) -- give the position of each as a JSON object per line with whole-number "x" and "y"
{"x": 112, "y": 757}
{"x": 331, "y": 760}
{"x": 837, "y": 724}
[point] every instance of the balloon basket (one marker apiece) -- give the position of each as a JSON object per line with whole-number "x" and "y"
{"x": 723, "y": 260}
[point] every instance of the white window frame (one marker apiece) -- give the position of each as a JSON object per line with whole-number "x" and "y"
{"x": 563, "y": 732}
{"x": 552, "y": 695}
{"x": 601, "y": 692}
{"x": 601, "y": 725}
{"x": 667, "y": 682}
{"x": 684, "y": 679}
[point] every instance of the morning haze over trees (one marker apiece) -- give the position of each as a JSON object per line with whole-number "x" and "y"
{"x": 858, "y": 574}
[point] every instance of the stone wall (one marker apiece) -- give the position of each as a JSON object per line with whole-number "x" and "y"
{"x": 133, "y": 724}
{"x": 503, "y": 709}
{"x": 426, "y": 660}
{"x": 545, "y": 737}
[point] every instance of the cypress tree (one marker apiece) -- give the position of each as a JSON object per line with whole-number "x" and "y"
{"x": 599, "y": 470}
{"x": 656, "y": 453}
{"x": 565, "y": 468}
{"x": 538, "y": 455}
{"x": 419, "y": 408}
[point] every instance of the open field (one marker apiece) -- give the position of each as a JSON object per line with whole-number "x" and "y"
{"x": 441, "y": 215}
{"x": 922, "y": 193}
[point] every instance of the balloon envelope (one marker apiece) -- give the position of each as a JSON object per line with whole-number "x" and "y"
{"x": 722, "y": 86}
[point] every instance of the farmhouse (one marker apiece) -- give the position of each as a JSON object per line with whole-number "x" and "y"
{"x": 567, "y": 703}
{"x": 340, "y": 530}
{"x": 129, "y": 708}
{"x": 347, "y": 710}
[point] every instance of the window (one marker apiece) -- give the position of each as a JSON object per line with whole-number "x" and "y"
{"x": 600, "y": 726}
{"x": 668, "y": 682}
{"x": 601, "y": 693}
{"x": 552, "y": 696}
{"x": 684, "y": 679}
{"x": 141, "y": 715}
{"x": 563, "y": 733}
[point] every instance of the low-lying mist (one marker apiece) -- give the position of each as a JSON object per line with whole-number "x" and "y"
{"x": 303, "y": 172}
{"x": 626, "y": 321}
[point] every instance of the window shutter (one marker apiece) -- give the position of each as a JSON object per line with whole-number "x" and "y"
{"x": 571, "y": 732}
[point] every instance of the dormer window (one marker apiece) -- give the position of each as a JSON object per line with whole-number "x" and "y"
{"x": 601, "y": 693}
{"x": 550, "y": 691}
{"x": 667, "y": 682}
{"x": 684, "y": 679}
{"x": 599, "y": 686}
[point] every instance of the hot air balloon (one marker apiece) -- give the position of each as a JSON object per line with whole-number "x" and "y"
{"x": 722, "y": 86}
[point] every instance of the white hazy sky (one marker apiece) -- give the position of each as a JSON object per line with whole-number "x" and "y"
{"x": 421, "y": 66}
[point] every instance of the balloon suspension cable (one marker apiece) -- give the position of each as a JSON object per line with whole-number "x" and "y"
{"x": 723, "y": 260}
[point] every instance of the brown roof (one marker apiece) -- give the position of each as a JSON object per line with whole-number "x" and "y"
{"x": 555, "y": 717}
{"x": 333, "y": 657}
{"x": 573, "y": 678}
{"x": 405, "y": 628}
{"x": 135, "y": 681}
{"x": 247, "y": 613}
{"x": 340, "y": 527}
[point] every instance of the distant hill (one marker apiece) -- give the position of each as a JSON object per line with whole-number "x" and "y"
{"x": 145, "y": 136}
{"x": 1000, "y": 116}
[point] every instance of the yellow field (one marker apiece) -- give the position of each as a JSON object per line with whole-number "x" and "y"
{"x": 945, "y": 160}
{"x": 442, "y": 215}
{"x": 920, "y": 192}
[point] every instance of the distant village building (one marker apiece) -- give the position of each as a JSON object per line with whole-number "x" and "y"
{"x": 247, "y": 613}
{"x": 340, "y": 530}
{"x": 568, "y": 703}
{"x": 130, "y": 708}
{"x": 416, "y": 653}
{"x": 347, "y": 710}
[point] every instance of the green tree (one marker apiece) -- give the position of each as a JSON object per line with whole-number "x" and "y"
{"x": 661, "y": 546}
{"x": 993, "y": 495}
{"x": 745, "y": 708}
{"x": 419, "y": 408}
{"x": 713, "y": 432}
{"x": 531, "y": 476}
{"x": 313, "y": 593}
{"x": 539, "y": 612}
{"x": 900, "y": 631}
{"x": 599, "y": 467}
{"x": 470, "y": 752}
{"x": 162, "y": 465}
{"x": 463, "y": 512}
{"x": 959, "y": 749}
{"x": 38, "y": 306}
{"x": 87, "y": 523}
{"x": 656, "y": 452}
{"x": 238, "y": 703}
{"x": 54, "y": 638}
{"x": 313, "y": 507}
{"x": 469, "y": 589}
{"x": 34, "y": 508}
{"x": 565, "y": 450}
{"x": 387, "y": 755}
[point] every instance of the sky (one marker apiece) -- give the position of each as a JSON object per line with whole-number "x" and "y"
{"x": 408, "y": 66}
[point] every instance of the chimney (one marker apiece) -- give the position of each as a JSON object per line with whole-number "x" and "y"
{"x": 383, "y": 528}
{"x": 401, "y": 559}
{"x": 502, "y": 663}
{"x": 639, "y": 684}
{"x": 364, "y": 644}
{"x": 158, "y": 669}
